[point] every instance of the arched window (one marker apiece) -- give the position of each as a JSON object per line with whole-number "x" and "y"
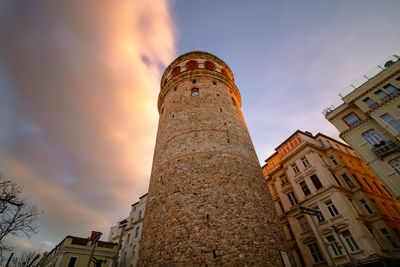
{"x": 192, "y": 64}
{"x": 209, "y": 65}
{"x": 195, "y": 92}
{"x": 176, "y": 71}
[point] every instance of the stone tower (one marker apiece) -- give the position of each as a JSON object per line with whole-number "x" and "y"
{"x": 208, "y": 203}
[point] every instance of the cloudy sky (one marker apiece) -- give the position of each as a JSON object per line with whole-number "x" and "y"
{"x": 79, "y": 82}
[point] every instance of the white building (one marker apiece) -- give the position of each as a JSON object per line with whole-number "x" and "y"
{"x": 132, "y": 234}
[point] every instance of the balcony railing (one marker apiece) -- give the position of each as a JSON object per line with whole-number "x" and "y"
{"x": 384, "y": 148}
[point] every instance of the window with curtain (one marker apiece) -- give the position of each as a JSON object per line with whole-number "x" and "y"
{"x": 391, "y": 121}
{"x": 373, "y": 137}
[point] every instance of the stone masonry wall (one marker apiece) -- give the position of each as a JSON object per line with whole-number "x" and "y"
{"x": 208, "y": 203}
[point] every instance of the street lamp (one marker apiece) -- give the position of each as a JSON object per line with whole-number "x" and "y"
{"x": 122, "y": 225}
{"x": 317, "y": 213}
{"x": 341, "y": 243}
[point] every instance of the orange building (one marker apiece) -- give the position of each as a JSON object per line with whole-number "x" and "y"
{"x": 321, "y": 173}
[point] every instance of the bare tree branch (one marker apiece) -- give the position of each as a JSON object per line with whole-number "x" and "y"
{"x": 16, "y": 216}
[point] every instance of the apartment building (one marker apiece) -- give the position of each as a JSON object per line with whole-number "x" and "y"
{"x": 131, "y": 235}
{"x": 75, "y": 251}
{"x": 325, "y": 175}
{"x": 368, "y": 119}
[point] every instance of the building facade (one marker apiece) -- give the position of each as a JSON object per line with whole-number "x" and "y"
{"x": 75, "y": 252}
{"x": 128, "y": 253}
{"x": 208, "y": 203}
{"x": 368, "y": 119}
{"x": 323, "y": 174}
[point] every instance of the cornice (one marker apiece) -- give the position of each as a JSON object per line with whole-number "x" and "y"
{"x": 379, "y": 84}
{"x": 358, "y": 125}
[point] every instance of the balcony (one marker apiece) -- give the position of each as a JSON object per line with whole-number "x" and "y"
{"x": 384, "y": 148}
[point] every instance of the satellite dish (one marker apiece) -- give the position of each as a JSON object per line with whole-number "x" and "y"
{"x": 389, "y": 63}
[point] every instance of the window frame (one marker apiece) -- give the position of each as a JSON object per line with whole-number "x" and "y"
{"x": 295, "y": 169}
{"x": 382, "y": 95}
{"x": 316, "y": 253}
{"x": 351, "y": 242}
{"x": 306, "y": 190}
{"x": 366, "y": 207}
{"x": 303, "y": 223}
{"x": 74, "y": 264}
{"x": 373, "y": 137}
{"x": 316, "y": 181}
{"x": 305, "y": 162}
{"x": 370, "y": 102}
{"x": 332, "y": 208}
{"x": 349, "y": 123}
{"x": 292, "y": 198}
{"x": 392, "y": 122}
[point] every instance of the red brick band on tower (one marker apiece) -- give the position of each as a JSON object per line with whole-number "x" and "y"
{"x": 208, "y": 203}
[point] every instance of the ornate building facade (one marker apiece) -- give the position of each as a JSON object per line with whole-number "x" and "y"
{"x": 368, "y": 119}
{"x": 323, "y": 174}
{"x": 128, "y": 253}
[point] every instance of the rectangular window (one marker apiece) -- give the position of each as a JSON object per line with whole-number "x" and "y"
{"x": 373, "y": 138}
{"x": 305, "y": 162}
{"x": 140, "y": 215}
{"x": 292, "y": 198}
{"x": 283, "y": 178}
{"x": 290, "y": 231}
{"x": 388, "y": 237}
{"x": 391, "y": 89}
{"x": 72, "y": 261}
{"x": 366, "y": 207}
{"x": 351, "y": 119}
{"x": 358, "y": 181}
{"x": 336, "y": 179}
{"x": 295, "y": 169}
{"x": 316, "y": 253}
{"x": 316, "y": 181}
{"x": 319, "y": 218}
{"x": 137, "y": 231}
{"x": 332, "y": 209}
{"x": 395, "y": 164}
{"x": 334, "y": 245}
{"x": 348, "y": 181}
{"x": 332, "y": 158}
{"x": 370, "y": 188}
{"x": 350, "y": 241}
{"x": 281, "y": 206}
{"x": 305, "y": 188}
{"x": 382, "y": 95}
{"x": 303, "y": 263}
{"x": 304, "y": 226}
{"x": 378, "y": 188}
{"x": 371, "y": 103}
{"x": 391, "y": 121}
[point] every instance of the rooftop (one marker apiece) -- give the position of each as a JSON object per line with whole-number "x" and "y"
{"x": 386, "y": 63}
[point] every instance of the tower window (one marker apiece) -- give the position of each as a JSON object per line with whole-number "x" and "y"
{"x": 195, "y": 92}
{"x": 233, "y": 101}
{"x": 214, "y": 83}
{"x": 220, "y": 109}
{"x": 194, "y": 81}
{"x": 175, "y": 89}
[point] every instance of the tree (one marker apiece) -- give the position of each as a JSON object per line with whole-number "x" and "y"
{"x": 16, "y": 216}
{"x": 25, "y": 259}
